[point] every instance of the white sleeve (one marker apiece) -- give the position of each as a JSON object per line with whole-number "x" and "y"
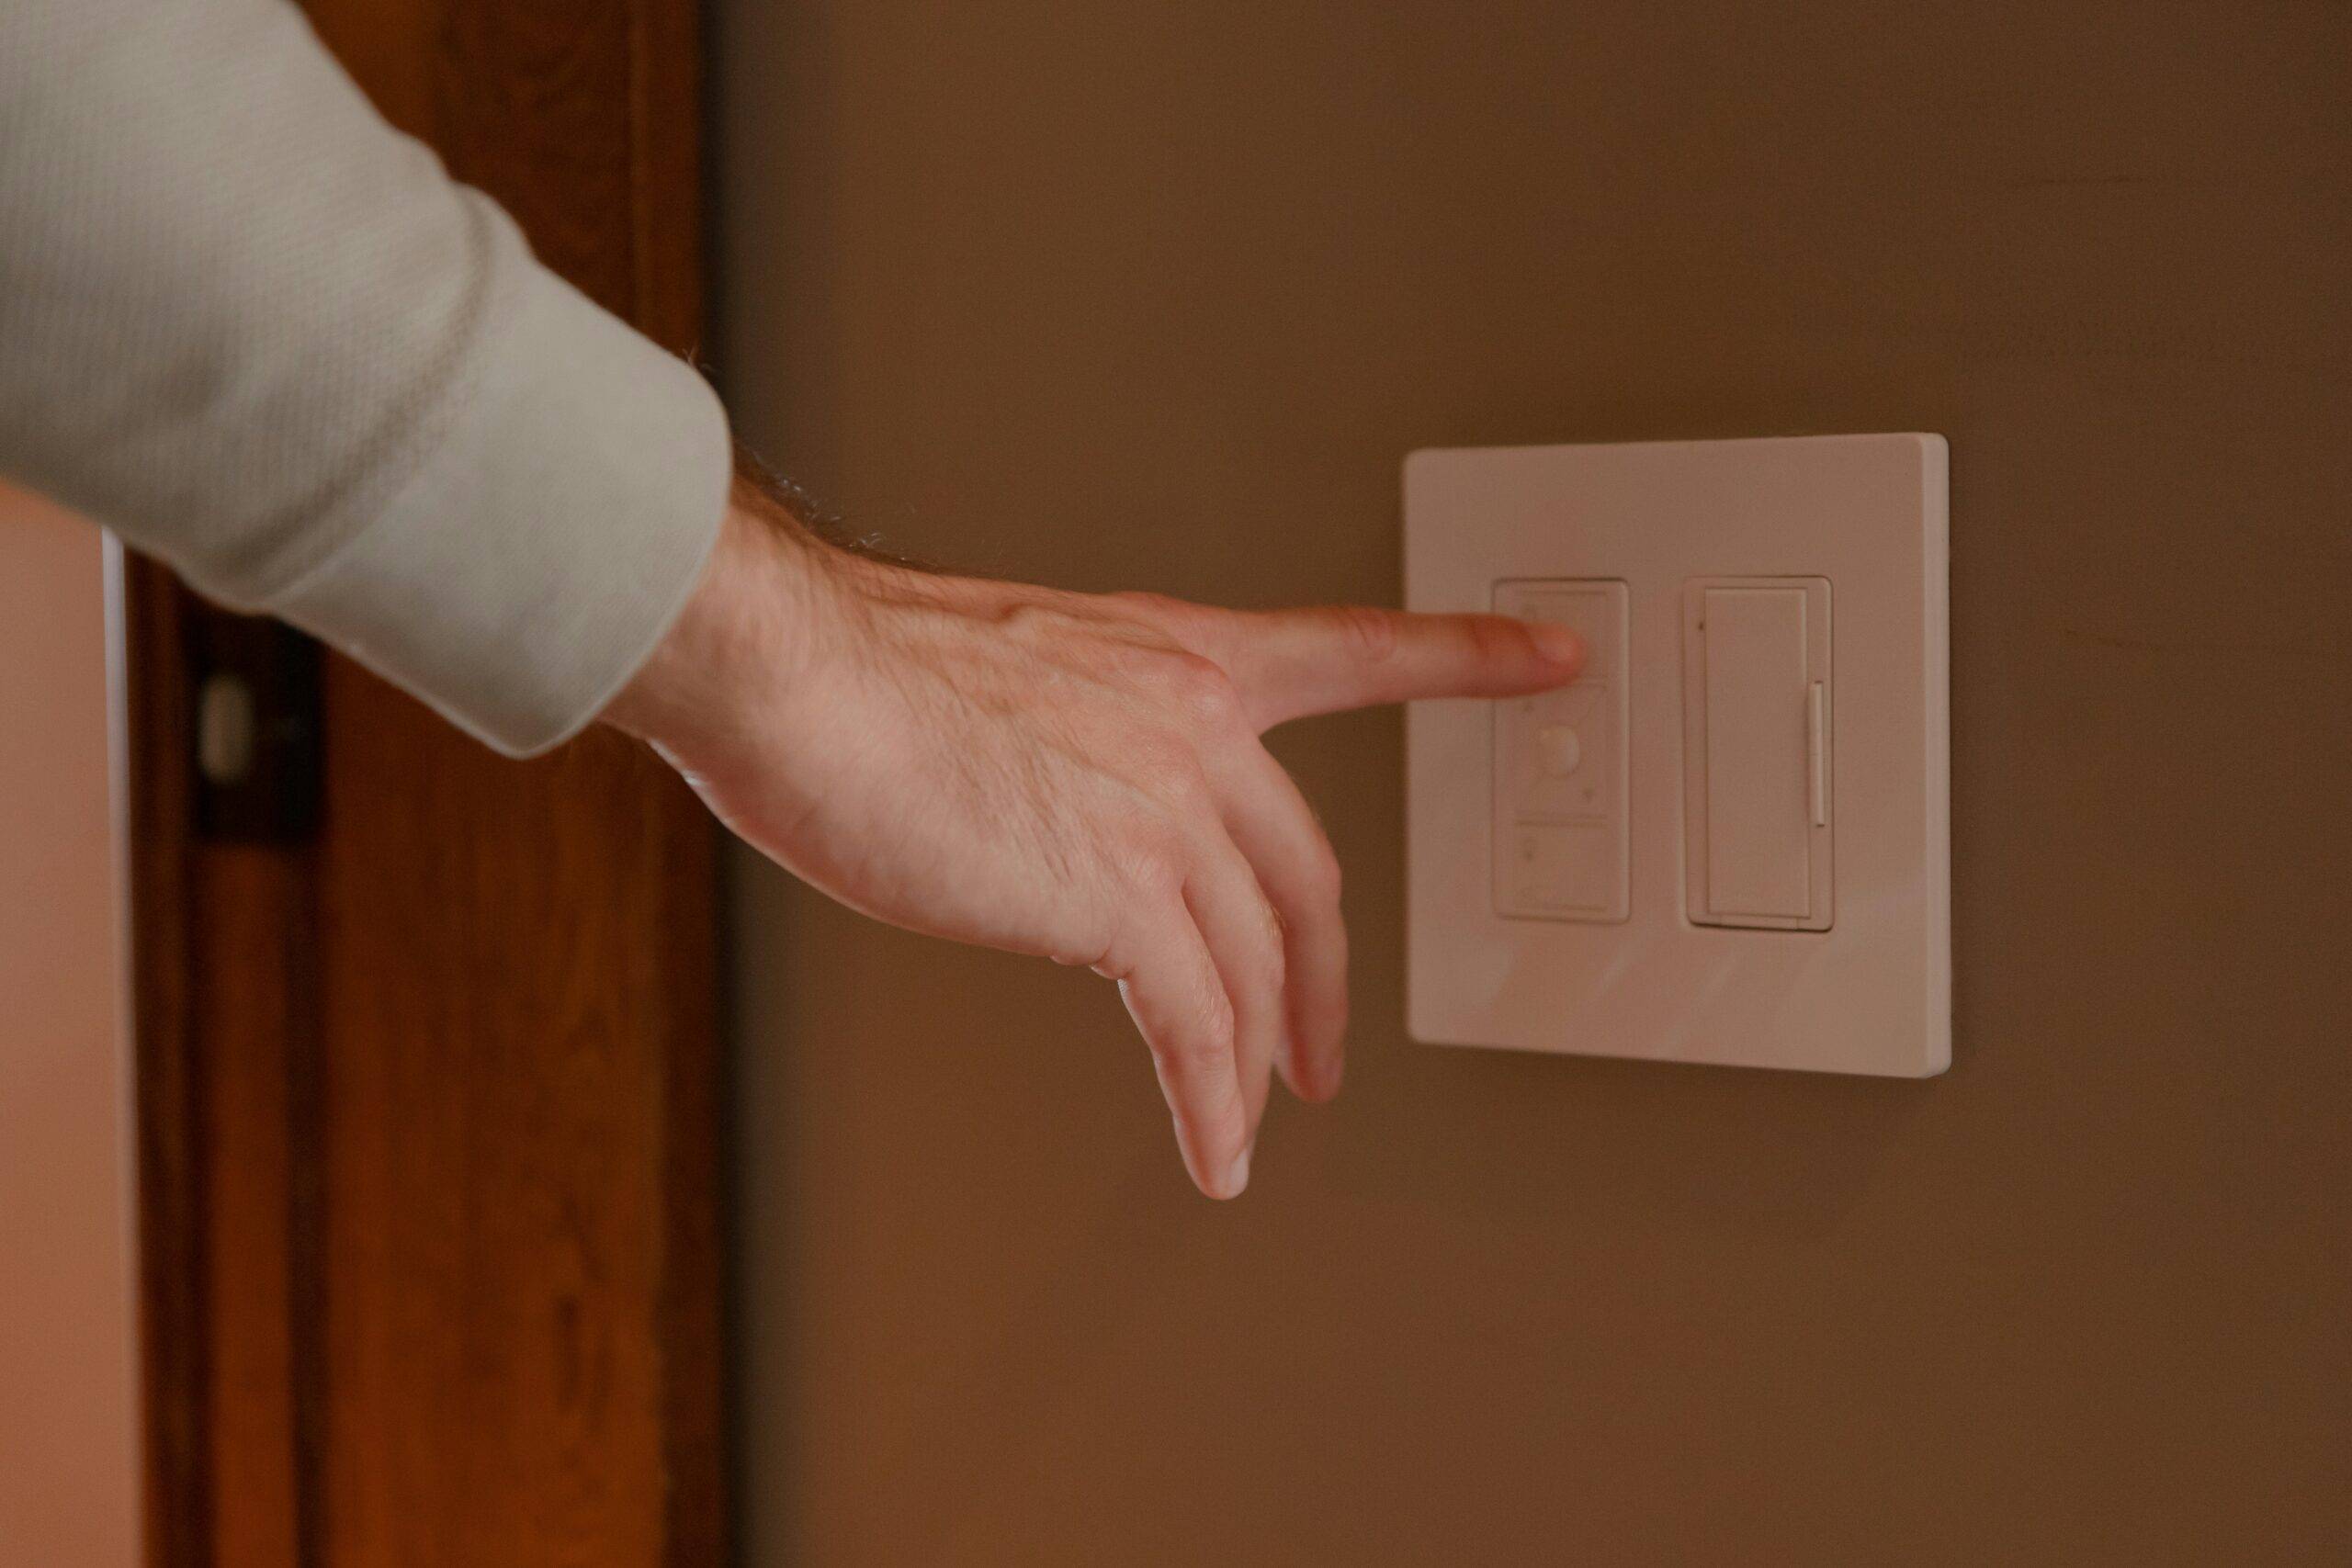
{"x": 262, "y": 336}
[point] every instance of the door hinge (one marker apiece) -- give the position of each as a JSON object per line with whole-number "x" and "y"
{"x": 254, "y": 729}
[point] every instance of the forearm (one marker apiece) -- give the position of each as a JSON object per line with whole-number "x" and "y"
{"x": 264, "y": 336}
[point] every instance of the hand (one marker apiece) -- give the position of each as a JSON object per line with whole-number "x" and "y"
{"x": 1062, "y": 774}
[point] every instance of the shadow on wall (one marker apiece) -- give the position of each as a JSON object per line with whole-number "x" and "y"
{"x": 1489, "y": 1134}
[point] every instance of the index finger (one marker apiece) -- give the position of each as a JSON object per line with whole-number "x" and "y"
{"x": 1290, "y": 663}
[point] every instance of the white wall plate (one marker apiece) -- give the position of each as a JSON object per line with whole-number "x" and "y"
{"x": 1731, "y": 841}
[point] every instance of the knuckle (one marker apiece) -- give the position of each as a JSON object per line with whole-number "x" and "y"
{"x": 1187, "y": 623}
{"x": 1155, "y": 860}
{"x": 1091, "y": 946}
{"x": 1370, "y": 633}
{"x": 1190, "y": 793}
{"x": 1202, "y": 692}
{"x": 1273, "y": 965}
{"x": 1216, "y": 1026}
{"x": 1170, "y": 776}
{"x": 1151, "y": 606}
{"x": 1208, "y": 1044}
{"x": 1035, "y": 619}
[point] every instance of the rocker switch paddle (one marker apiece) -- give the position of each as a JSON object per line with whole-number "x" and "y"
{"x": 1755, "y": 762}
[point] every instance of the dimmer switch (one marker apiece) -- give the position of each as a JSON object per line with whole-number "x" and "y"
{"x": 1559, "y": 835}
{"x": 1756, "y": 753}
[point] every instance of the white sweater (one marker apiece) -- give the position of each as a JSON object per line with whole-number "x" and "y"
{"x": 264, "y": 336}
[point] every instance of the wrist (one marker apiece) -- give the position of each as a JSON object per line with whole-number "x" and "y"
{"x": 744, "y": 631}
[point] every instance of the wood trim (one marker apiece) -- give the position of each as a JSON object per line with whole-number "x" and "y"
{"x": 428, "y": 1106}
{"x": 174, "y": 1330}
{"x": 224, "y": 1018}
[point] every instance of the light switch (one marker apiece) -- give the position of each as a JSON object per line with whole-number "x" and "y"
{"x": 1757, "y": 752}
{"x": 1560, "y": 802}
{"x": 1640, "y": 864}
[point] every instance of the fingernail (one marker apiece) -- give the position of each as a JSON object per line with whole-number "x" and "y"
{"x": 1556, "y": 642}
{"x": 1237, "y": 1176}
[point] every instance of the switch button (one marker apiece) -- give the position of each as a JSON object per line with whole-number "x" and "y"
{"x": 1560, "y": 806}
{"x": 1757, "y": 752}
{"x": 1558, "y": 750}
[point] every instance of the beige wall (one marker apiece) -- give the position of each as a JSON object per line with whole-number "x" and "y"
{"x": 68, "y": 1486}
{"x": 1159, "y": 294}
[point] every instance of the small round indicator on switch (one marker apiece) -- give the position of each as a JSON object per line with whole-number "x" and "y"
{"x": 1557, "y": 750}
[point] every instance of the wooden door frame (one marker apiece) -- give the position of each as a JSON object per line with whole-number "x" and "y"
{"x": 428, "y": 1078}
